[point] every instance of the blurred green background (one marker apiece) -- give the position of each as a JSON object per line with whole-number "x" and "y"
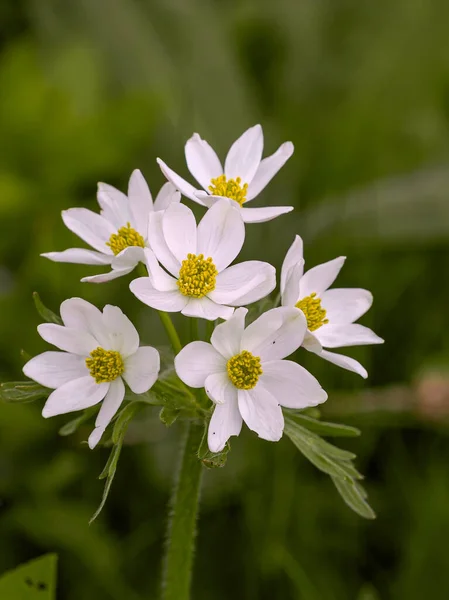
{"x": 89, "y": 90}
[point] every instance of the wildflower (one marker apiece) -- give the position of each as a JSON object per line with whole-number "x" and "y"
{"x": 330, "y": 314}
{"x": 99, "y": 351}
{"x": 244, "y": 375}
{"x": 201, "y": 284}
{"x": 120, "y": 232}
{"x": 244, "y": 176}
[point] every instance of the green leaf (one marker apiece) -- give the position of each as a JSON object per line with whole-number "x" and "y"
{"x": 48, "y": 315}
{"x": 168, "y": 415}
{"x": 210, "y": 459}
{"x": 22, "y": 391}
{"x": 73, "y": 425}
{"x": 35, "y": 580}
{"x": 354, "y": 498}
{"x": 118, "y": 435}
{"x": 323, "y": 427}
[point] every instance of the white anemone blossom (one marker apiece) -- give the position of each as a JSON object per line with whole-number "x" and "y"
{"x": 201, "y": 283}
{"x": 119, "y": 233}
{"x": 330, "y": 314}
{"x": 244, "y": 375}
{"x": 100, "y": 350}
{"x": 244, "y": 176}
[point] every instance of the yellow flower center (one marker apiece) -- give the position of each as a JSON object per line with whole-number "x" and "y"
{"x": 197, "y": 276}
{"x": 315, "y": 315}
{"x": 244, "y": 370}
{"x": 105, "y": 365}
{"x": 124, "y": 238}
{"x": 231, "y": 188}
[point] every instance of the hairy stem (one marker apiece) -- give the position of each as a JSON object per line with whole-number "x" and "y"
{"x": 171, "y": 331}
{"x": 182, "y": 526}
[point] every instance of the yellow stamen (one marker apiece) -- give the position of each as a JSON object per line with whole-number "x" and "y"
{"x": 315, "y": 315}
{"x": 124, "y": 238}
{"x": 197, "y": 276}
{"x": 105, "y": 365}
{"x": 244, "y": 370}
{"x": 231, "y": 188}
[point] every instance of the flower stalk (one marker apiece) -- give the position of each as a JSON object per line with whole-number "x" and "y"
{"x": 181, "y": 533}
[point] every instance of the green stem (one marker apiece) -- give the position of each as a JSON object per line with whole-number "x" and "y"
{"x": 182, "y": 526}
{"x": 171, "y": 331}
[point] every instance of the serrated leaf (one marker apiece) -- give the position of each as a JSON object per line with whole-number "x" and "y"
{"x": 73, "y": 425}
{"x": 168, "y": 415}
{"x": 22, "y": 391}
{"x": 122, "y": 421}
{"x": 351, "y": 494}
{"x": 210, "y": 459}
{"x": 323, "y": 427}
{"x": 35, "y": 580}
{"x": 48, "y": 315}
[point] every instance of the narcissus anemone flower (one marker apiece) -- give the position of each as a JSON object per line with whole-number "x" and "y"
{"x": 201, "y": 283}
{"x": 120, "y": 232}
{"x": 330, "y": 314}
{"x": 244, "y": 375}
{"x": 243, "y": 177}
{"x": 100, "y": 350}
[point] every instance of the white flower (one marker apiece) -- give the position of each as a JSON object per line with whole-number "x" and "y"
{"x": 100, "y": 350}
{"x": 120, "y": 232}
{"x": 201, "y": 283}
{"x": 244, "y": 176}
{"x": 243, "y": 373}
{"x": 330, "y": 314}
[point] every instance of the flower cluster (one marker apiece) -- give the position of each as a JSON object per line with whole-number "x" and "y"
{"x": 189, "y": 268}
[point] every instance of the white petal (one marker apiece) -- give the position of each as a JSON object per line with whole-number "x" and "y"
{"x": 167, "y": 194}
{"x": 90, "y": 227}
{"x": 122, "y": 333}
{"x": 226, "y": 421}
{"x": 336, "y": 336}
{"x": 202, "y": 161}
{"x": 345, "y": 305}
{"x": 293, "y": 258}
{"x": 142, "y": 369}
{"x": 311, "y": 343}
{"x": 81, "y": 315}
{"x": 77, "y": 394}
{"x": 54, "y": 369}
{"x": 109, "y": 276}
{"x": 220, "y": 389}
{"x": 264, "y": 214}
{"x": 291, "y": 384}
{"x": 140, "y": 201}
{"x": 204, "y": 308}
{"x": 275, "y": 334}
{"x": 221, "y": 234}
{"x": 321, "y": 277}
{"x": 209, "y": 200}
{"x": 110, "y": 406}
{"x": 345, "y": 362}
{"x": 159, "y": 245}
{"x": 70, "y": 340}
{"x": 244, "y": 156}
{"x": 168, "y": 301}
{"x": 179, "y": 228}
{"x": 268, "y": 168}
{"x": 244, "y": 283}
{"x": 262, "y": 413}
{"x": 129, "y": 257}
{"x": 290, "y": 295}
{"x": 227, "y": 336}
{"x": 114, "y": 205}
{"x": 181, "y": 184}
{"x": 159, "y": 278}
{"x": 79, "y": 256}
{"x": 196, "y": 362}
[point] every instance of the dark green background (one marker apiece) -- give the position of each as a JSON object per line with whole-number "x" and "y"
{"x": 89, "y": 90}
